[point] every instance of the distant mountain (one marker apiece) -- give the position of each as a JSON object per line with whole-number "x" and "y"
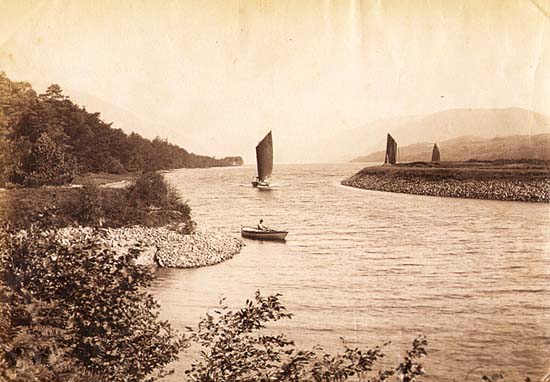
{"x": 471, "y": 147}
{"x": 437, "y": 127}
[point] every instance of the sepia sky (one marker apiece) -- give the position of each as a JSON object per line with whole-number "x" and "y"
{"x": 215, "y": 76}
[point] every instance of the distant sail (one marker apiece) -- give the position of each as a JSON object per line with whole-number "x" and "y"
{"x": 391, "y": 150}
{"x": 436, "y": 154}
{"x": 264, "y": 157}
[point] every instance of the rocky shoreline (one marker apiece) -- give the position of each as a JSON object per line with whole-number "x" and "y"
{"x": 456, "y": 185}
{"x": 163, "y": 247}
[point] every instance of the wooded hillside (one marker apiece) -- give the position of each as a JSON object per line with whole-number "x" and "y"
{"x": 47, "y": 139}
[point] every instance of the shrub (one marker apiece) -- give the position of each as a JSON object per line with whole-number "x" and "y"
{"x": 89, "y": 211}
{"x": 44, "y": 207}
{"x": 150, "y": 189}
{"x": 78, "y": 312}
{"x": 152, "y": 201}
{"x": 5, "y": 159}
{"x": 115, "y": 167}
{"x": 234, "y": 350}
{"x": 147, "y": 202}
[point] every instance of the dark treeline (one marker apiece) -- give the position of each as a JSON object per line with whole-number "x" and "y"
{"x": 47, "y": 139}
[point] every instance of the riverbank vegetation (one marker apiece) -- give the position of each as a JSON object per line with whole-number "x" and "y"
{"x": 78, "y": 312}
{"x": 74, "y": 308}
{"x": 46, "y": 139}
{"x": 513, "y": 180}
{"x": 147, "y": 201}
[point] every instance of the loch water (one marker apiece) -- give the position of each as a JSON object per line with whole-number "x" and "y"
{"x": 471, "y": 275}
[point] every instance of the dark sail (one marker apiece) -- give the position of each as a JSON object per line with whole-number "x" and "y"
{"x": 436, "y": 155}
{"x": 264, "y": 157}
{"x": 391, "y": 150}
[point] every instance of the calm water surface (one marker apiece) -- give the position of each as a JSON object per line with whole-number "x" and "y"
{"x": 472, "y": 275}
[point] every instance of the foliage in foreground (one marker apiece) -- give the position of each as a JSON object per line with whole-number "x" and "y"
{"x": 78, "y": 312}
{"x": 234, "y": 350}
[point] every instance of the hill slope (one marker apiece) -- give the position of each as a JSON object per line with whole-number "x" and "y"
{"x": 437, "y": 127}
{"x": 470, "y": 147}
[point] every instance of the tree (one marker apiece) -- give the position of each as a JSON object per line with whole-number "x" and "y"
{"x": 14, "y": 100}
{"x": 53, "y": 92}
{"x": 46, "y": 163}
{"x": 5, "y": 158}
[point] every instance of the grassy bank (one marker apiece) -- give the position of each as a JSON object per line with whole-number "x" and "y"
{"x": 104, "y": 178}
{"x": 146, "y": 201}
{"x": 496, "y": 180}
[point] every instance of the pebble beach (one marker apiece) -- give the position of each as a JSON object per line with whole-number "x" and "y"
{"x": 162, "y": 246}
{"x": 456, "y": 185}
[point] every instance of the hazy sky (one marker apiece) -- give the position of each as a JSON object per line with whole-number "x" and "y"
{"x": 215, "y": 76}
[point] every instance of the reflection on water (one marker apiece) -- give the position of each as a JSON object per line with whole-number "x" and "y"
{"x": 472, "y": 275}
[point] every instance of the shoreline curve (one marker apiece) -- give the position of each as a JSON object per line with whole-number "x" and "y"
{"x": 161, "y": 246}
{"x": 505, "y": 184}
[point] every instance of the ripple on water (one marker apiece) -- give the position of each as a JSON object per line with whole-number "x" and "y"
{"x": 472, "y": 275}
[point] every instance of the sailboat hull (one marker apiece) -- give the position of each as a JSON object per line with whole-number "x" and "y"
{"x": 261, "y": 185}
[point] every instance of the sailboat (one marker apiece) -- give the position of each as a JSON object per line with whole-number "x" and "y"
{"x": 264, "y": 160}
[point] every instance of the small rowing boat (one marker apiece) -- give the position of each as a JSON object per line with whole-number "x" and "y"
{"x": 263, "y": 234}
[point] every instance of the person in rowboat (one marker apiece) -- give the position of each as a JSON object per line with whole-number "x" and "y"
{"x": 261, "y": 226}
